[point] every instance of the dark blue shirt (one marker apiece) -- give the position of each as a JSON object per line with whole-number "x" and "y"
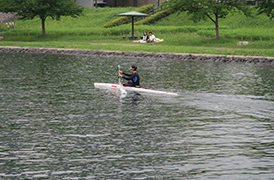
{"x": 134, "y": 78}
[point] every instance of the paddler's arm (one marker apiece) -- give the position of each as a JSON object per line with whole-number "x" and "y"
{"x": 120, "y": 75}
{"x": 127, "y": 78}
{"x": 131, "y": 76}
{"x": 121, "y": 72}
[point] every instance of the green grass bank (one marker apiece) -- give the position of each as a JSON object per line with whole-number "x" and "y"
{"x": 180, "y": 34}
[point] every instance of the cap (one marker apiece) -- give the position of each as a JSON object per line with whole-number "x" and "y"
{"x": 133, "y": 68}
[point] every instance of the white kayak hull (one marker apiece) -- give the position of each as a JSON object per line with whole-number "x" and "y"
{"x": 136, "y": 89}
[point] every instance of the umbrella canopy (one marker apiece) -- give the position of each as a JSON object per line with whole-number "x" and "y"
{"x": 132, "y": 14}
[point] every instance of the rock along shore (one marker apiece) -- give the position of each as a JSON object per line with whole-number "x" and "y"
{"x": 179, "y": 56}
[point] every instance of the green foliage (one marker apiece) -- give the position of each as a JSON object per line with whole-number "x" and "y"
{"x": 233, "y": 20}
{"x": 43, "y": 9}
{"x": 115, "y": 22}
{"x": 155, "y": 17}
{"x": 203, "y": 9}
{"x": 267, "y": 8}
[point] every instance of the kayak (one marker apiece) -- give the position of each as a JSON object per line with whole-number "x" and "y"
{"x": 127, "y": 88}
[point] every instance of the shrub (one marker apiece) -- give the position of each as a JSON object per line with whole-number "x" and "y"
{"x": 115, "y": 22}
{"x": 155, "y": 17}
{"x": 145, "y": 8}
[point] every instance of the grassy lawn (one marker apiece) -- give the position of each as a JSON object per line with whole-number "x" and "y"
{"x": 179, "y": 33}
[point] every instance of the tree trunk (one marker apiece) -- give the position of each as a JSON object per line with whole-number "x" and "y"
{"x": 43, "y": 26}
{"x": 217, "y": 26}
{"x": 216, "y": 22}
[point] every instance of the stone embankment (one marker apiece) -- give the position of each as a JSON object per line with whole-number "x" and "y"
{"x": 178, "y": 56}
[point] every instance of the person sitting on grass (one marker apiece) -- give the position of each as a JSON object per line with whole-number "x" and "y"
{"x": 151, "y": 37}
{"x": 145, "y": 38}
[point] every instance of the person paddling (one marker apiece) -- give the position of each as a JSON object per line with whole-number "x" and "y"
{"x": 133, "y": 78}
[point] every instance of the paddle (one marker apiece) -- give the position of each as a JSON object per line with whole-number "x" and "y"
{"x": 123, "y": 91}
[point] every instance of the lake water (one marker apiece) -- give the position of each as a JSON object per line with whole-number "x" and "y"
{"x": 56, "y": 125}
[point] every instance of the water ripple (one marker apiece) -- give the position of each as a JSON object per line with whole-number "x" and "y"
{"x": 56, "y": 125}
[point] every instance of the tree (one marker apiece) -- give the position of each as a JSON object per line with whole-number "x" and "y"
{"x": 96, "y": 4}
{"x": 28, "y": 9}
{"x": 212, "y": 9}
{"x": 267, "y": 7}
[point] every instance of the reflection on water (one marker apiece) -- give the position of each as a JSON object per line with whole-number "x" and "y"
{"x": 56, "y": 125}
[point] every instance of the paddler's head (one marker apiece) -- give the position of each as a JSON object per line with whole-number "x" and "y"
{"x": 133, "y": 69}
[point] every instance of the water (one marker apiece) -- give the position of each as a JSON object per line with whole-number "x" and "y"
{"x": 56, "y": 125}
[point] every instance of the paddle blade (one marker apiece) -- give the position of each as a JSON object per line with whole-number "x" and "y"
{"x": 122, "y": 90}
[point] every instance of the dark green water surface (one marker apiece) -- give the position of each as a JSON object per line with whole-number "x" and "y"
{"x": 55, "y": 125}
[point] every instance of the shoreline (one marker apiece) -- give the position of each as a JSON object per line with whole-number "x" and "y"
{"x": 179, "y": 56}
